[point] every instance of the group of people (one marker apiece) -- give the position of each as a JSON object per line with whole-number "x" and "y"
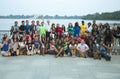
{"x": 91, "y": 40}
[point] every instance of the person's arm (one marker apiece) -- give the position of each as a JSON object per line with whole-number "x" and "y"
{"x": 87, "y": 48}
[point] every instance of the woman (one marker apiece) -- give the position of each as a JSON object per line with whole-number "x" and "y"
{"x": 76, "y": 30}
{"x": 53, "y": 29}
{"x": 59, "y": 31}
{"x": 94, "y": 33}
{"x": 70, "y": 29}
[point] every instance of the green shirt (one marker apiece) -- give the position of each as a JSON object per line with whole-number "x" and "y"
{"x": 42, "y": 30}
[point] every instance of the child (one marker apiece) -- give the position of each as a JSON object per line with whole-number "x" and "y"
{"x": 37, "y": 45}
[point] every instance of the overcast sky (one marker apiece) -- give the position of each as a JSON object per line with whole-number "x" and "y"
{"x": 60, "y": 7}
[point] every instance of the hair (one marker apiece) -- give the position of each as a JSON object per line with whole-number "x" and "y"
{"x": 23, "y": 21}
{"x": 76, "y": 24}
{"x": 63, "y": 28}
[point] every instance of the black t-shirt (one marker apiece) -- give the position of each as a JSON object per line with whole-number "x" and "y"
{"x": 22, "y": 29}
{"x": 30, "y": 46}
{"x": 116, "y": 33}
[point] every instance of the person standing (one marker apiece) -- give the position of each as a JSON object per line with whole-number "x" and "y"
{"x": 48, "y": 27}
{"x": 42, "y": 30}
{"x": 27, "y": 26}
{"x": 22, "y": 29}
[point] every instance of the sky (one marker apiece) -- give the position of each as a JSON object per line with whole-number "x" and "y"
{"x": 60, "y": 7}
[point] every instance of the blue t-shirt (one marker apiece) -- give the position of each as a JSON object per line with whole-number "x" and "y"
{"x": 27, "y": 28}
{"x": 76, "y": 31}
{"x": 5, "y": 46}
{"x": 36, "y": 43}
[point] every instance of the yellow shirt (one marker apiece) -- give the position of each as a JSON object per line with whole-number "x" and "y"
{"x": 83, "y": 29}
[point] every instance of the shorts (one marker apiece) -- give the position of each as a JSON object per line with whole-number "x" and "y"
{"x": 2, "y": 52}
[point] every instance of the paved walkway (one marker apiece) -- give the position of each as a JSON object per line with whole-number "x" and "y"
{"x": 49, "y": 67}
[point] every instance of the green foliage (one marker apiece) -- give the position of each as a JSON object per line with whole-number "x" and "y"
{"x": 104, "y": 16}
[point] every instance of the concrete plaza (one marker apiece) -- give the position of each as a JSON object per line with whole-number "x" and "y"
{"x": 49, "y": 67}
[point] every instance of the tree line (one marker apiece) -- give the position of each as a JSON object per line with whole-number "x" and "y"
{"x": 103, "y": 16}
{"x": 96, "y": 16}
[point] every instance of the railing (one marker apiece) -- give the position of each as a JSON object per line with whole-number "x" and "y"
{"x": 2, "y": 32}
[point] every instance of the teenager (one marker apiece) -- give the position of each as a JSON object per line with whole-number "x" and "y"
{"x": 22, "y": 46}
{"x": 70, "y": 29}
{"x": 30, "y": 46}
{"x": 76, "y": 30}
{"x": 37, "y": 45}
{"x": 73, "y": 47}
{"x": 82, "y": 48}
{"x": 83, "y": 28}
{"x": 15, "y": 28}
{"x": 22, "y": 29}
{"x": 5, "y": 47}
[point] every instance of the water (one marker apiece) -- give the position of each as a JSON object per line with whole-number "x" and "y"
{"x": 5, "y": 24}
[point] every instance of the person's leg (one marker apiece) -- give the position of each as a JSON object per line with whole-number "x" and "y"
{"x": 17, "y": 52}
{"x": 43, "y": 51}
{"x": 74, "y": 50}
{"x": 61, "y": 50}
{"x": 6, "y": 54}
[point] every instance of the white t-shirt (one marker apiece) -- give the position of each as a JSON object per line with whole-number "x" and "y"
{"x": 89, "y": 29}
{"x": 48, "y": 27}
{"x": 82, "y": 47}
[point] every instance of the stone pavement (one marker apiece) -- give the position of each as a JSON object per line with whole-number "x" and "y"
{"x": 49, "y": 67}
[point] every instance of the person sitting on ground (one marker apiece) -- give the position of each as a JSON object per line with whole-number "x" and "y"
{"x": 53, "y": 50}
{"x": 30, "y": 47}
{"x": 37, "y": 45}
{"x": 59, "y": 47}
{"x": 82, "y": 48}
{"x": 73, "y": 47}
{"x": 96, "y": 53}
{"x": 14, "y": 42}
{"x": 4, "y": 46}
{"x": 103, "y": 53}
{"x": 22, "y": 46}
{"x": 43, "y": 45}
